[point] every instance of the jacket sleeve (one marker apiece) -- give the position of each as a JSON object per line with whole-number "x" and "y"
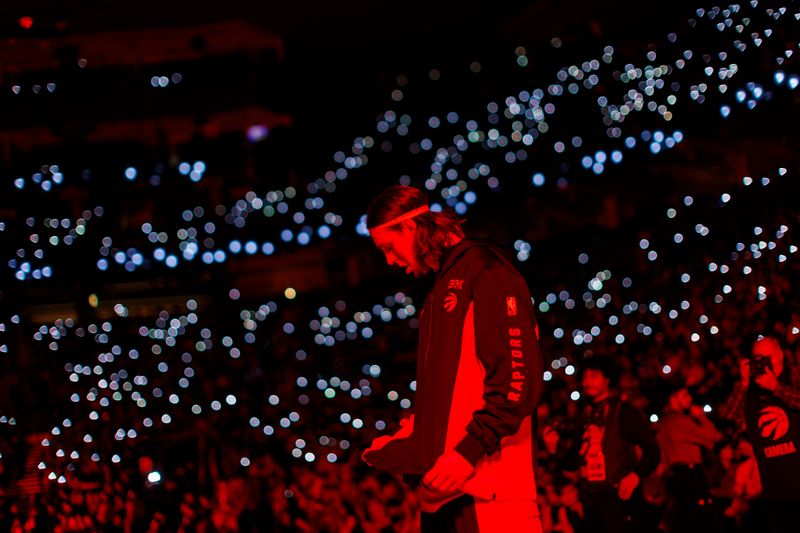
{"x": 733, "y": 408}
{"x": 788, "y": 395}
{"x": 506, "y": 344}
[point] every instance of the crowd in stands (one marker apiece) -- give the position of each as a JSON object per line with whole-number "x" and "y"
{"x": 206, "y": 487}
{"x": 656, "y": 323}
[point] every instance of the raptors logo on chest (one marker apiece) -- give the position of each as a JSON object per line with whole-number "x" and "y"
{"x": 450, "y": 301}
{"x": 773, "y": 422}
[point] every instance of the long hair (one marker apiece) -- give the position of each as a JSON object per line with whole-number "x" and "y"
{"x": 434, "y": 230}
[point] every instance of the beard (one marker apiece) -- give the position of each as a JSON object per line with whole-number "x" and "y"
{"x": 422, "y": 267}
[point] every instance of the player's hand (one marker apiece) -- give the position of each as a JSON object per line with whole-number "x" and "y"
{"x": 767, "y": 380}
{"x": 449, "y": 473}
{"x": 627, "y": 485}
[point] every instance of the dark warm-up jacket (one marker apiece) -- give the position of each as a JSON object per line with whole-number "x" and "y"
{"x": 479, "y": 376}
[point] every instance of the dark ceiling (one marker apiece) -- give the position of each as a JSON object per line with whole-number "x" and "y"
{"x": 363, "y": 24}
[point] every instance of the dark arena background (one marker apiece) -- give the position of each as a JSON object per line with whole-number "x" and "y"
{"x": 196, "y": 331}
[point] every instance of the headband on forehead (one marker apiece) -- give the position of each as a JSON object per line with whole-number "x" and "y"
{"x": 404, "y": 216}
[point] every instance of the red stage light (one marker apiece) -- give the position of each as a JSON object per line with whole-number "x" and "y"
{"x": 26, "y": 22}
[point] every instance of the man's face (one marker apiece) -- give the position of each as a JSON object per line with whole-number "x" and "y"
{"x": 594, "y": 383}
{"x": 768, "y": 347}
{"x": 397, "y": 244}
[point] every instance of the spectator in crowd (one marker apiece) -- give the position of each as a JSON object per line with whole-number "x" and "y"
{"x": 684, "y": 434}
{"x": 289, "y": 486}
{"x": 745, "y": 509}
{"x": 766, "y": 400}
{"x": 573, "y": 513}
{"x": 604, "y": 450}
{"x": 555, "y": 513}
